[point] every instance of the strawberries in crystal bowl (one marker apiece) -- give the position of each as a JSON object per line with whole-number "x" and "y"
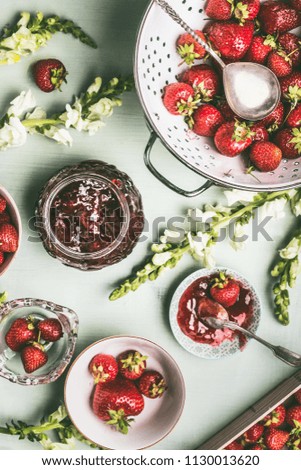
{"x": 10, "y": 229}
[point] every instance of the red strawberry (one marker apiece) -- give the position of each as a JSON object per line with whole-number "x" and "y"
{"x": 2, "y": 204}
{"x": 275, "y": 119}
{"x": 219, "y": 9}
{"x": 260, "y": 48}
{"x": 266, "y": 156}
{"x": 229, "y": 38}
{"x": 293, "y": 416}
{"x": 246, "y": 10}
{"x": 291, "y": 87}
{"x": 280, "y": 63}
{"x": 298, "y": 396}
{"x": 49, "y": 74}
{"x": 2, "y": 258}
{"x": 295, "y": 4}
{"x": 115, "y": 401}
{"x": 104, "y": 368}
{"x": 204, "y": 81}
{"x": 275, "y": 439}
{"x": 131, "y": 364}
{"x": 224, "y": 290}
{"x": 290, "y": 43}
{"x": 256, "y": 447}
{"x": 232, "y": 138}
{"x": 152, "y": 384}
{"x": 289, "y": 142}
{"x": 50, "y": 329}
{"x": 224, "y": 108}
{"x": 20, "y": 332}
{"x": 4, "y": 218}
{"x": 235, "y": 445}
{"x": 260, "y": 133}
{"x": 190, "y": 50}
{"x": 178, "y": 99}
{"x": 207, "y": 120}
{"x": 9, "y": 238}
{"x": 253, "y": 434}
{"x": 294, "y": 118}
{"x": 276, "y": 418}
{"x": 278, "y": 17}
{"x": 33, "y": 357}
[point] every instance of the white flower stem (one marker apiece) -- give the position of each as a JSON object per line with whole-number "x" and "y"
{"x": 41, "y": 122}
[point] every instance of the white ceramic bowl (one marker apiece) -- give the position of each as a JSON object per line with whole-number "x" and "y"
{"x": 159, "y": 416}
{"x": 16, "y": 221}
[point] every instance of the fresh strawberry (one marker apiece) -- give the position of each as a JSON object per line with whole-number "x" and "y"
{"x": 224, "y": 290}
{"x": 20, "y": 332}
{"x": 274, "y": 120}
{"x": 223, "y": 106}
{"x": 131, "y": 364}
{"x": 115, "y": 401}
{"x": 291, "y": 87}
{"x": 295, "y": 4}
{"x": 252, "y": 435}
{"x": 278, "y": 17}
{"x": 276, "y": 418}
{"x": 260, "y": 133}
{"x": 289, "y": 142}
{"x": 104, "y": 368}
{"x": 280, "y": 63}
{"x": 2, "y": 204}
{"x": 4, "y": 218}
{"x": 232, "y": 138}
{"x": 204, "y": 81}
{"x": 290, "y": 43}
{"x": 2, "y": 258}
{"x": 229, "y": 38}
{"x": 256, "y": 447}
{"x": 293, "y": 416}
{"x": 207, "y": 120}
{"x": 266, "y": 156}
{"x": 49, "y": 74}
{"x": 178, "y": 99}
{"x": 190, "y": 50}
{"x": 275, "y": 439}
{"x": 152, "y": 384}
{"x": 50, "y": 329}
{"x": 246, "y": 10}
{"x": 297, "y": 396}
{"x": 219, "y": 9}
{"x": 260, "y": 48}
{"x": 294, "y": 118}
{"x": 9, "y": 238}
{"x": 33, "y": 357}
{"x": 235, "y": 445}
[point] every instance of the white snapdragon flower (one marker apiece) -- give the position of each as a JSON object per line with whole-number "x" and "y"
{"x": 200, "y": 249}
{"x": 161, "y": 258}
{"x": 61, "y": 136}
{"x": 92, "y": 127}
{"x": 12, "y": 134}
{"x": 236, "y": 240}
{"x": 73, "y": 116}
{"x": 22, "y": 103}
{"x": 274, "y": 209}
{"x": 291, "y": 250}
{"x": 170, "y": 236}
{"x": 95, "y": 87}
{"x": 236, "y": 196}
{"x": 103, "y": 108}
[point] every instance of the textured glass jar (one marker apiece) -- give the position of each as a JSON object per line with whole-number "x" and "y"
{"x": 124, "y": 220}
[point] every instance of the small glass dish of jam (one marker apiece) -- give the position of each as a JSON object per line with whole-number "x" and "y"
{"x": 200, "y": 295}
{"x": 59, "y": 353}
{"x": 89, "y": 215}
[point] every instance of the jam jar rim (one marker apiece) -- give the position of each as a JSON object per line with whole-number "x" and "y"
{"x": 57, "y": 187}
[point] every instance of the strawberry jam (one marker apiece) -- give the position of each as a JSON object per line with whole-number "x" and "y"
{"x": 192, "y": 306}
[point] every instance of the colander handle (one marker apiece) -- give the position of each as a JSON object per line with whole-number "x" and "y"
{"x": 160, "y": 177}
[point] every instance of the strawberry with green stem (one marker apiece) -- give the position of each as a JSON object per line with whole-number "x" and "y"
{"x": 20, "y": 332}
{"x": 224, "y": 290}
{"x": 33, "y": 357}
{"x": 219, "y": 9}
{"x": 179, "y": 99}
{"x": 189, "y": 49}
{"x": 233, "y": 137}
{"x": 260, "y": 48}
{"x": 131, "y": 364}
{"x": 246, "y": 10}
{"x": 289, "y": 142}
{"x": 276, "y": 418}
{"x": 152, "y": 384}
{"x": 204, "y": 80}
{"x": 49, "y": 74}
{"x": 104, "y": 368}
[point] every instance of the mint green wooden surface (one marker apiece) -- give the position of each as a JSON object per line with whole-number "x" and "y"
{"x": 216, "y": 391}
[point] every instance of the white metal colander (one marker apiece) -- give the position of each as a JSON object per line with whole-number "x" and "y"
{"x": 156, "y": 65}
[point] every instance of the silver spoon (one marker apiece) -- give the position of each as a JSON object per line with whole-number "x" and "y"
{"x": 243, "y": 81}
{"x": 289, "y": 357}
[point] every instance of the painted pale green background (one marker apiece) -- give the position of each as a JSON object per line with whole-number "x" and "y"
{"x": 216, "y": 391}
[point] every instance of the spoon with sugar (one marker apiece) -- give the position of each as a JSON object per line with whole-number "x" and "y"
{"x": 252, "y": 90}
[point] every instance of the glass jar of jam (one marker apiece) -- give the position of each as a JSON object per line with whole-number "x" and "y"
{"x": 89, "y": 215}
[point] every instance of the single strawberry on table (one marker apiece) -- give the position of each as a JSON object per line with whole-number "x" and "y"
{"x": 289, "y": 142}
{"x": 204, "y": 80}
{"x": 206, "y": 120}
{"x": 21, "y": 331}
{"x": 252, "y": 435}
{"x": 229, "y": 38}
{"x": 49, "y": 74}
{"x": 232, "y": 138}
{"x": 189, "y": 49}
{"x": 278, "y": 17}
{"x": 50, "y": 329}
{"x": 178, "y": 99}
{"x": 224, "y": 290}
{"x": 115, "y": 402}
{"x": 219, "y": 9}
{"x": 276, "y": 418}
{"x": 33, "y": 357}
{"x": 9, "y": 238}
{"x": 104, "y": 368}
{"x": 260, "y": 48}
{"x": 266, "y": 156}
{"x": 131, "y": 364}
{"x": 152, "y": 384}
{"x": 275, "y": 439}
